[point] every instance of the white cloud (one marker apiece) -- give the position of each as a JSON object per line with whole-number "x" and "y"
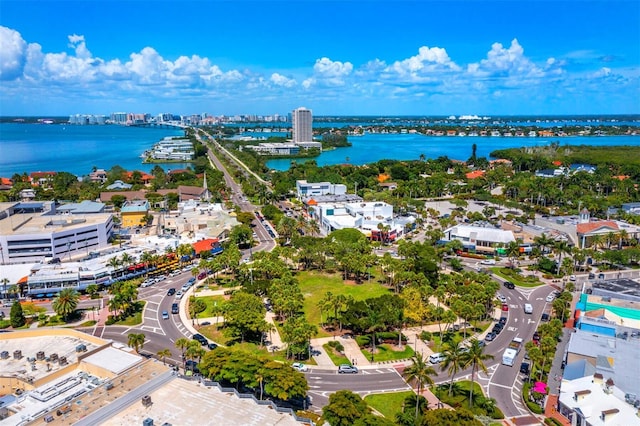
{"x": 12, "y": 54}
{"x": 330, "y": 73}
{"x": 428, "y": 62}
{"x": 505, "y": 62}
{"x": 281, "y": 80}
{"x": 77, "y": 42}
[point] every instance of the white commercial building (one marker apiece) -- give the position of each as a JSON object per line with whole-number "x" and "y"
{"x": 478, "y": 238}
{"x": 302, "y": 121}
{"x": 309, "y": 189}
{"x": 34, "y": 231}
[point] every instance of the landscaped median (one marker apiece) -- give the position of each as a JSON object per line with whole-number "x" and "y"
{"x": 386, "y": 348}
{"x": 514, "y": 276}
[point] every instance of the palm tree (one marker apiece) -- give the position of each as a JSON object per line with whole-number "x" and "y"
{"x": 114, "y": 262}
{"x": 136, "y": 341}
{"x": 561, "y": 247}
{"x": 420, "y": 372}
{"x": 182, "y": 344}
{"x": 475, "y": 358}
{"x": 66, "y": 302}
{"x": 544, "y": 242}
{"x": 453, "y": 360}
{"x": 4, "y": 282}
{"x": 164, "y": 353}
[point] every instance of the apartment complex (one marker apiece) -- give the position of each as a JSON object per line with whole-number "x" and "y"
{"x": 302, "y": 121}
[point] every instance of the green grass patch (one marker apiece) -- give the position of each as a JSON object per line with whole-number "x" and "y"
{"x": 136, "y": 317}
{"x": 335, "y": 356}
{"x": 387, "y": 352}
{"x": 211, "y": 302}
{"x": 89, "y": 323}
{"x": 388, "y": 404}
{"x": 516, "y": 278}
{"x": 314, "y": 285}
{"x": 460, "y": 398}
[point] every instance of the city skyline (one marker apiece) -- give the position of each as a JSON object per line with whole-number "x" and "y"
{"x": 336, "y": 58}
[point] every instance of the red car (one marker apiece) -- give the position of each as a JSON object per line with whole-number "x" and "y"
{"x": 505, "y": 307}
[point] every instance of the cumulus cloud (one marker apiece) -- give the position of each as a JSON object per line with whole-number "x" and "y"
{"x": 12, "y": 54}
{"x": 428, "y": 62}
{"x": 329, "y": 73}
{"x": 281, "y": 80}
{"x": 503, "y": 61}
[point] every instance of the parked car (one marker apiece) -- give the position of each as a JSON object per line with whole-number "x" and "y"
{"x": 212, "y": 345}
{"x": 524, "y": 368}
{"x": 347, "y": 368}
{"x": 536, "y": 336}
{"x": 436, "y": 358}
{"x": 300, "y": 366}
{"x": 544, "y": 318}
{"x": 501, "y": 298}
{"x": 503, "y": 320}
{"x": 550, "y": 298}
{"x": 572, "y": 278}
{"x": 488, "y": 262}
{"x": 592, "y": 276}
{"x": 490, "y": 337}
{"x": 505, "y": 307}
{"x": 179, "y": 295}
{"x": 601, "y": 276}
{"x": 200, "y": 338}
{"x": 175, "y": 308}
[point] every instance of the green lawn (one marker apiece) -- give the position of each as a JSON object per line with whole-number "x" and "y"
{"x": 516, "y": 278}
{"x": 386, "y": 352}
{"x": 136, "y": 317}
{"x": 335, "y": 357}
{"x": 388, "y": 404}
{"x": 211, "y": 303}
{"x": 315, "y": 285}
{"x": 460, "y": 398}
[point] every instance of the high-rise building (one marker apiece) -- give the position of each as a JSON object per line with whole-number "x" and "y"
{"x": 302, "y": 121}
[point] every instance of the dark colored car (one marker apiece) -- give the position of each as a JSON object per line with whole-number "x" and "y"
{"x": 175, "y": 308}
{"x": 592, "y": 276}
{"x": 601, "y": 276}
{"x": 509, "y": 285}
{"x": 524, "y": 368}
{"x": 171, "y": 291}
{"x": 200, "y": 338}
{"x": 544, "y": 318}
{"x": 212, "y": 345}
{"x": 503, "y": 320}
{"x": 191, "y": 365}
{"x": 496, "y": 329}
{"x": 536, "y": 336}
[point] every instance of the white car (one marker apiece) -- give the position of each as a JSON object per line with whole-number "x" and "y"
{"x": 179, "y": 295}
{"x": 488, "y": 262}
{"x": 550, "y": 298}
{"x": 300, "y": 366}
{"x": 572, "y": 278}
{"x": 501, "y": 298}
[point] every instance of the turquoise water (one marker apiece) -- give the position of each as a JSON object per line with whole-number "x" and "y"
{"x": 374, "y": 147}
{"x": 76, "y": 149}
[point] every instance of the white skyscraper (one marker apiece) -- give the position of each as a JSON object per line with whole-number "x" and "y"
{"x": 301, "y": 120}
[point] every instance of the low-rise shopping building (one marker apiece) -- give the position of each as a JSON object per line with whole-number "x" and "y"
{"x": 485, "y": 240}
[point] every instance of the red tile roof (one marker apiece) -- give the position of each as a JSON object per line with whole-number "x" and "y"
{"x": 203, "y": 245}
{"x": 475, "y": 174}
{"x": 588, "y": 228}
{"x": 6, "y": 181}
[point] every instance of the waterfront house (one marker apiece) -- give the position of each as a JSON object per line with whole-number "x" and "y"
{"x": 43, "y": 179}
{"x": 98, "y": 175}
{"x": 475, "y": 174}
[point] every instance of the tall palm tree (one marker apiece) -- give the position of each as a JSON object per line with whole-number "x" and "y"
{"x": 164, "y": 353}
{"x": 420, "y": 372}
{"x": 114, "y": 262}
{"x": 4, "y": 282}
{"x": 561, "y": 247}
{"x": 453, "y": 360}
{"x": 544, "y": 242}
{"x": 66, "y": 302}
{"x": 182, "y": 344}
{"x": 475, "y": 358}
{"x": 136, "y": 341}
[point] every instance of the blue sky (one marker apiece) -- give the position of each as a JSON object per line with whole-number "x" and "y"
{"x": 335, "y": 57}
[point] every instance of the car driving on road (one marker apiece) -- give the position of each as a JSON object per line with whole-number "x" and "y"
{"x": 165, "y": 315}
{"x": 300, "y": 366}
{"x": 346, "y": 368}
